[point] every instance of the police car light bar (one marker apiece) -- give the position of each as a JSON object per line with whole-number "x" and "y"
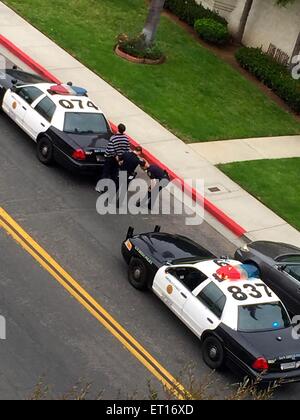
{"x": 67, "y": 90}
{"x": 238, "y": 272}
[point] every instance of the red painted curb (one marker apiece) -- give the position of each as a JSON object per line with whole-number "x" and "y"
{"x": 196, "y": 196}
{"x": 27, "y": 60}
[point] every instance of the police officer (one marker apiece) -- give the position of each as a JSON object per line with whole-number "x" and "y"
{"x": 129, "y": 162}
{"x": 159, "y": 179}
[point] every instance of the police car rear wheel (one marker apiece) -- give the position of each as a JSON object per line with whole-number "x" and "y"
{"x": 213, "y": 353}
{"x": 137, "y": 274}
{"x": 45, "y": 151}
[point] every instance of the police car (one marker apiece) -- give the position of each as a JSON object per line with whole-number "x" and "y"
{"x": 66, "y": 125}
{"x": 240, "y": 321}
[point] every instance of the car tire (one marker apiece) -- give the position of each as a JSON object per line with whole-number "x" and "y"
{"x": 137, "y": 274}
{"x": 213, "y": 353}
{"x": 45, "y": 151}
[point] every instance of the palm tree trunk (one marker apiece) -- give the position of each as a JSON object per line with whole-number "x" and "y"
{"x": 152, "y": 21}
{"x": 244, "y": 20}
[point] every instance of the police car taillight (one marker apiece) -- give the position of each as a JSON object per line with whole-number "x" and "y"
{"x": 79, "y": 154}
{"x": 261, "y": 364}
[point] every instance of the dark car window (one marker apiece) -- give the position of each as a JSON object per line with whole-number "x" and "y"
{"x": 264, "y": 317}
{"x": 190, "y": 277}
{"x": 24, "y": 77}
{"x": 289, "y": 259}
{"x": 46, "y": 108}
{"x": 29, "y": 93}
{"x": 85, "y": 123}
{"x": 293, "y": 271}
{"x": 214, "y": 299}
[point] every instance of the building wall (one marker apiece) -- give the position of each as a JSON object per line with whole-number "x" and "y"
{"x": 269, "y": 24}
{"x": 223, "y": 7}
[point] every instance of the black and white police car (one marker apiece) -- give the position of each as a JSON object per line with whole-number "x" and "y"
{"x": 66, "y": 125}
{"x": 240, "y": 321}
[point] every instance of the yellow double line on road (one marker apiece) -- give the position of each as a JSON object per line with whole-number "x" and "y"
{"x": 94, "y": 308}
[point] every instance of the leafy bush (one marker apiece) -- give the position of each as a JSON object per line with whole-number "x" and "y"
{"x": 273, "y": 74}
{"x": 189, "y": 11}
{"x": 136, "y": 47}
{"x": 212, "y": 31}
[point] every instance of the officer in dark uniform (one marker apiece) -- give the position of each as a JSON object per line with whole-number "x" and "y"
{"x": 129, "y": 162}
{"x": 160, "y": 179}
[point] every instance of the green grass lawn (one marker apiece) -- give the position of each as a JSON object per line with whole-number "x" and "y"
{"x": 195, "y": 94}
{"x": 274, "y": 182}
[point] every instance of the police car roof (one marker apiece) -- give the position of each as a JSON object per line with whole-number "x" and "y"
{"x": 227, "y": 274}
{"x": 57, "y": 98}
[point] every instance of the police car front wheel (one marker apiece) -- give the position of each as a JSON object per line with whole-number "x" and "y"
{"x": 137, "y": 274}
{"x": 45, "y": 151}
{"x": 213, "y": 353}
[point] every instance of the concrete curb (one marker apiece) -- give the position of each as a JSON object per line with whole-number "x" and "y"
{"x": 196, "y": 196}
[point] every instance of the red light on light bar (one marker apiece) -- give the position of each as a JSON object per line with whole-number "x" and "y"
{"x": 229, "y": 272}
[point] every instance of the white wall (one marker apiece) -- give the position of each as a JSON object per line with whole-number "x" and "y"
{"x": 269, "y": 24}
{"x": 223, "y": 7}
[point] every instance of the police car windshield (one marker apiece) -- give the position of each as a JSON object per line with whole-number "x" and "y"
{"x": 85, "y": 123}
{"x": 262, "y": 317}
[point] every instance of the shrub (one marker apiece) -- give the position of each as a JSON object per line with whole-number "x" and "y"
{"x": 189, "y": 11}
{"x": 212, "y": 31}
{"x": 136, "y": 47}
{"x": 273, "y": 74}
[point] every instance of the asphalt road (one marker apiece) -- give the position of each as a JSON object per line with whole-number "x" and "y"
{"x": 51, "y": 335}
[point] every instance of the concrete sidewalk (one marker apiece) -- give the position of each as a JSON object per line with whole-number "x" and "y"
{"x": 229, "y": 151}
{"x": 258, "y": 221}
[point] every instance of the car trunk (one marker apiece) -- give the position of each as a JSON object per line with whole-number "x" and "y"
{"x": 94, "y": 145}
{"x": 278, "y": 347}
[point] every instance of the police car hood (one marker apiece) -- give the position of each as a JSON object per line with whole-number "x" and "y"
{"x": 276, "y": 345}
{"x": 90, "y": 141}
{"x": 163, "y": 247}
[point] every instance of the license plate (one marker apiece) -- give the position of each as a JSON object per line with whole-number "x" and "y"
{"x": 289, "y": 366}
{"x": 99, "y": 158}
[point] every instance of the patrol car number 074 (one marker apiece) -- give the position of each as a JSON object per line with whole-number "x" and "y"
{"x": 66, "y": 125}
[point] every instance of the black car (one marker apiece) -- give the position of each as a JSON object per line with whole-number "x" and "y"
{"x": 279, "y": 266}
{"x": 241, "y": 322}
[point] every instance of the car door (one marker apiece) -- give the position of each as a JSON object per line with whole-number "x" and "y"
{"x": 39, "y": 116}
{"x": 170, "y": 289}
{"x": 14, "y": 107}
{"x": 285, "y": 283}
{"x": 203, "y": 310}
{"x": 18, "y": 101}
{"x": 292, "y": 273}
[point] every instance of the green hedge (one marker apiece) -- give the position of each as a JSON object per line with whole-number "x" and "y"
{"x": 189, "y": 11}
{"x": 273, "y": 74}
{"x": 212, "y": 31}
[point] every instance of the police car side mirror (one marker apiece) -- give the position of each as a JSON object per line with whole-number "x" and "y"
{"x": 282, "y": 267}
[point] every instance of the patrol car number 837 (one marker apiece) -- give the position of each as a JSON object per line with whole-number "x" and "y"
{"x": 239, "y": 319}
